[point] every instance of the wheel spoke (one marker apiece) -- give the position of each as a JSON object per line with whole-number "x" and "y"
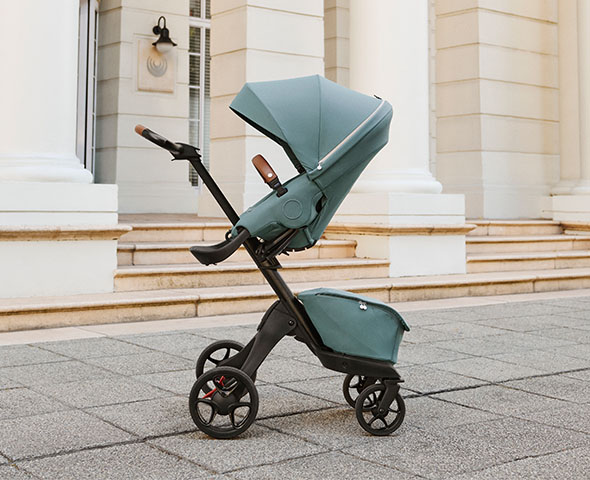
{"x": 211, "y": 405}
{"x": 227, "y": 354}
{"x": 232, "y": 413}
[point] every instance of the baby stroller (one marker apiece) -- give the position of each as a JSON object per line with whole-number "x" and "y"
{"x": 330, "y": 134}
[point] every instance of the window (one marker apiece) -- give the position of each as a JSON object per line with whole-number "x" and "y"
{"x": 87, "y": 48}
{"x": 199, "y": 74}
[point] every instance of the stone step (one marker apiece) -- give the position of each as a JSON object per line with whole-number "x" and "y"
{"x": 170, "y": 228}
{"x": 504, "y": 262}
{"x": 28, "y": 313}
{"x": 515, "y": 227}
{"x": 531, "y": 243}
{"x": 157, "y": 277}
{"x": 161, "y": 253}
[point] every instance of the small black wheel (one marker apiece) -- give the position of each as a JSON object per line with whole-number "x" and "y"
{"x": 215, "y": 353}
{"x": 353, "y": 385}
{"x": 369, "y": 417}
{"x": 223, "y": 402}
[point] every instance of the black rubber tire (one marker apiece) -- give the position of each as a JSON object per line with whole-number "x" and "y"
{"x": 348, "y": 390}
{"x": 242, "y": 384}
{"x": 209, "y": 350}
{"x": 367, "y": 405}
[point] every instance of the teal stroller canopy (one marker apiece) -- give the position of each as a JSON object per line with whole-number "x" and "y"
{"x": 329, "y": 132}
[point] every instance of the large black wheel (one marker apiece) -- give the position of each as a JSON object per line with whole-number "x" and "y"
{"x": 223, "y": 402}
{"x": 353, "y": 385}
{"x": 369, "y": 417}
{"x": 216, "y": 353}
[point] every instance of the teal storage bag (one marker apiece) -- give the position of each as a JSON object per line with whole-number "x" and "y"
{"x": 355, "y": 325}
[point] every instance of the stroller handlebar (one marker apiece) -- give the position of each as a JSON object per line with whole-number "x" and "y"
{"x": 159, "y": 140}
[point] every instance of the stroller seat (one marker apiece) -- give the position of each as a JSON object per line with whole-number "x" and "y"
{"x": 329, "y": 133}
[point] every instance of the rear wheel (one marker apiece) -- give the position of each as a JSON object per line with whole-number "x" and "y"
{"x": 214, "y": 354}
{"x": 223, "y": 402}
{"x": 353, "y": 385}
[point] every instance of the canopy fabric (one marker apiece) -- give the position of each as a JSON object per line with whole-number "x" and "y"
{"x": 307, "y": 116}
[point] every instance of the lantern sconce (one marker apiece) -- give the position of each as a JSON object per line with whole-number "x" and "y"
{"x": 163, "y": 44}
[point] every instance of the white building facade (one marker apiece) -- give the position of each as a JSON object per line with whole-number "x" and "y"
{"x": 491, "y": 120}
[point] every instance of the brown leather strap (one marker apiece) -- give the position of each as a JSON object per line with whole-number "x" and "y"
{"x": 264, "y": 169}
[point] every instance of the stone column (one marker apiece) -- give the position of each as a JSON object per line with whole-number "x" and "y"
{"x": 583, "y": 185}
{"x": 58, "y": 231}
{"x": 569, "y": 116}
{"x": 396, "y": 210}
{"x": 572, "y": 204}
{"x": 389, "y": 58}
{"x": 38, "y": 90}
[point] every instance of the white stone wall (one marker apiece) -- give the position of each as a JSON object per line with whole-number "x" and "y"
{"x": 498, "y": 104}
{"x": 147, "y": 181}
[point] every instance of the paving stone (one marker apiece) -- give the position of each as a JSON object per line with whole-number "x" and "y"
{"x": 125, "y": 462}
{"x": 465, "y": 330}
{"x": 281, "y": 370}
{"x": 335, "y": 428}
{"x": 574, "y": 464}
{"x": 54, "y": 373}
{"x": 275, "y": 400}
{"x": 257, "y": 446}
{"x": 527, "y": 323}
{"x": 148, "y": 418}
{"x": 424, "y": 318}
{"x": 419, "y": 335}
{"x": 102, "y": 391}
{"x": 426, "y": 379}
{"x": 501, "y": 400}
{"x": 574, "y": 335}
{"x": 57, "y": 432}
{"x": 476, "y": 346}
{"x": 180, "y": 344}
{"x": 179, "y": 382}
{"x": 22, "y": 402}
{"x": 571, "y": 416}
{"x": 6, "y": 383}
{"x": 12, "y": 472}
{"x": 426, "y": 353}
{"x": 15, "y": 355}
{"x": 433, "y": 414}
{"x": 325, "y": 388}
{"x": 579, "y": 351}
{"x": 327, "y": 466}
{"x": 572, "y": 319}
{"x": 142, "y": 363}
{"x": 546, "y": 360}
{"x": 92, "y": 348}
{"x": 532, "y": 340}
{"x": 556, "y": 386}
{"x": 3, "y": 460}
{"x": 519, "y": 309}
{"x": 580, "y": 375}
{"x": 466, "y": 448}
{"x": 487, "y": 369}
{"x": 240, "y": 334}
{"x": 289, "y": 347}
{"x": 582, "y": 314}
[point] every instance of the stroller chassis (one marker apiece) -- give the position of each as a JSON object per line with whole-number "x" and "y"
{"x": 378, "y": 382}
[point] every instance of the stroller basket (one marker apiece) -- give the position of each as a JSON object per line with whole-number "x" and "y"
{"x": 353, "y": 324}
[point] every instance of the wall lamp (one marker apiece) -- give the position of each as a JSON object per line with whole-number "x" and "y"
{"x": 163, "y": 44}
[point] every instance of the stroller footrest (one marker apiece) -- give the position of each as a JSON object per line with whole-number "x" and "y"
{"x": 210, "y": 254}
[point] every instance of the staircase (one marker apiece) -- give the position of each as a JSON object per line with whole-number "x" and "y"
{"x": 158, "y": 278}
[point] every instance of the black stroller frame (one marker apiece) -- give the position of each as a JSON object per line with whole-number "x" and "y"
{"x": 377, "y": 382}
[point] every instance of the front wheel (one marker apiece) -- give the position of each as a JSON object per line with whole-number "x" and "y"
{"x": 369, "y": 416}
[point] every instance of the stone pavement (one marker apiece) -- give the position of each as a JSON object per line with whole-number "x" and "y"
{"x": 492, "y": 392}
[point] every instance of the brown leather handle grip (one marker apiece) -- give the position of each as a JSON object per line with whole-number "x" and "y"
{"x": 264, "y": 169}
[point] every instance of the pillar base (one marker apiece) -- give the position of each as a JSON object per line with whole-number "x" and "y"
{"x": 420, "y": 234}
{"x": 571, "y": 208}
{"x": 57, "y": 238}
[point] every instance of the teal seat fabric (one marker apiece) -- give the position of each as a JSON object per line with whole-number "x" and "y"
{"x": 329, "y": 132}
{"x": 355, "y": 325}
